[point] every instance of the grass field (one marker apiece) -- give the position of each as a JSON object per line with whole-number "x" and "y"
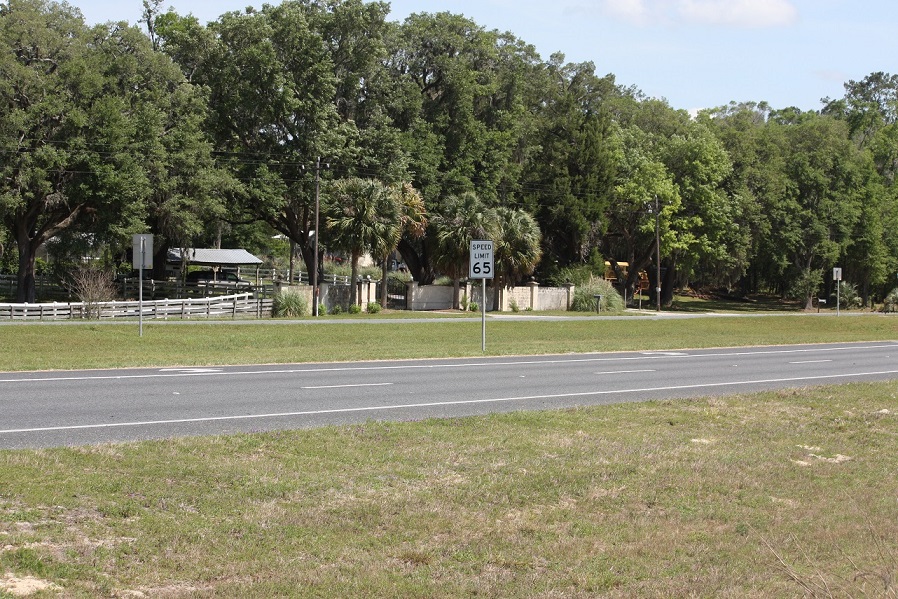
{"x": 783, "y": 494}
{"x": 117, "y": 345}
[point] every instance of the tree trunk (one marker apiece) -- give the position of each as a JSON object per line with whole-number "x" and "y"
{"x": 25, "y": 290}
{"x": 418, "y": 265}
{"x": 668, "y": 281}
{"x": 383, "y": 283}
{"x": 456, "y": 286}
{"x": 353, "y": 284}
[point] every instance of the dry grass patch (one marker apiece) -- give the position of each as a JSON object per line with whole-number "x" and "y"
{"x": 676, "y": 498}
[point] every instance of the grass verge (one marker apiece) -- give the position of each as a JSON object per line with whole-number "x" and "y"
{"x": 786, "y": 493}
{"x": 99, "y": 346}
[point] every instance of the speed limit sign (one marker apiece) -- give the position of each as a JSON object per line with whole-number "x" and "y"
{"x": 481, "y": 263}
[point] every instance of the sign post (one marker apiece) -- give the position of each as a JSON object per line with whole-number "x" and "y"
{"x": 143, "y": 258}
{"x": 837, "y": 277}
{"x": 481, "y": 267}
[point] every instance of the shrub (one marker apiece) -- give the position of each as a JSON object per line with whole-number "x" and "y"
{"x": 578, "y": 275}
{"x": 473, "y": 307}
{"x": 513, "y": 305}
{"x": 890, "y": 304}
{"x": 322, "y": 309}
{"x": 585, "y": 301}
{"x": 355, "y": 309}
{"x": 337, "y": 309}
{"x": 373, "y": 308}
{"x": 290, "y": 303}
{"x": 463, "y": 302}
{"x": 93, "y": 286}
{"x": 848, "y": 296}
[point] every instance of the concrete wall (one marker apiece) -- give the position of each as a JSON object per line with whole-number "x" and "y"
{"x": 527, "y": 297}
{"x": 439, "y": 297}
{"x": 336, "y": 294}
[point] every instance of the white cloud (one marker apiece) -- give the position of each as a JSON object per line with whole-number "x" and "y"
{"x": 729, "y": 13}
{"x": 635, "y": 11}
{"x": 739, "y": 13}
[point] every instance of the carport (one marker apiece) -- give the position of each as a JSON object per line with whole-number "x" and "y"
{"x": 214, "y": 258}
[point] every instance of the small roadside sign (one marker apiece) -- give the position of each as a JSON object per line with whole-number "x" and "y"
{"x": 837, "y": 274}
{"x": 143, "y": 260}
{"x": 142, "y": 245}
{"x": 481, "y": 263}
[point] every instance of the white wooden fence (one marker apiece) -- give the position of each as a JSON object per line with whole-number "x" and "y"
{"x": 241, "y": 304}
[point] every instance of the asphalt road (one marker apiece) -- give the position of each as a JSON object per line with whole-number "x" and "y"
{"x": 46, "y": 409}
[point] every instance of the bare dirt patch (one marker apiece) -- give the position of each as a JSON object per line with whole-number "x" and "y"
{"x": 23, "y": 587}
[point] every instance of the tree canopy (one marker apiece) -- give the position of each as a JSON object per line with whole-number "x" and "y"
{"x": 195, "y": 132}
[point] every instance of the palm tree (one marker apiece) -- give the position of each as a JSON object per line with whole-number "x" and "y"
{"x": 462, "y": 219}
{"x": 362, "y": 216}
{"x": 413, "y": 222}
{"x": 517, "y": 248}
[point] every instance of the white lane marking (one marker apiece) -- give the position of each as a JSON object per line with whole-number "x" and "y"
{"x": 811, "y": 362}
{"x": 344, "y": 386}
{"x": 435, "y": 404}
{"x": 192, "y": 370}
{"x": 350, "y": 368}
{"x": 623, "y": 371}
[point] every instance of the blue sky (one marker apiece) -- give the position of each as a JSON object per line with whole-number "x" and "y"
{"x": 694, "y": 53}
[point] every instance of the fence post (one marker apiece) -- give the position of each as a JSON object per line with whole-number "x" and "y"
{"x": 534, "y": 295}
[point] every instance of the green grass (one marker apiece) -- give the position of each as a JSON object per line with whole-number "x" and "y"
{"x": 102, "y": 345}
{"x": 744, "y": 496}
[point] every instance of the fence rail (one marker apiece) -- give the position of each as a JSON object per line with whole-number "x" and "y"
{"x": 241, "y": 304}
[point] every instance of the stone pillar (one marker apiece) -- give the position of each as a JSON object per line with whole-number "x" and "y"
{"x": 534, "y": 295}
{"x": 569, "y": 288}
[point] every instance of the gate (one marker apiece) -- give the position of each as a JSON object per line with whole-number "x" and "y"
{"x": 397, "y": 289}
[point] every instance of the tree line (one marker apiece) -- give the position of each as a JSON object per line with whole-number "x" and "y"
{"x": 419, "y": 136}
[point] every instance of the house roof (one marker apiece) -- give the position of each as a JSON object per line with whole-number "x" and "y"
{"x": 213, "y": 257}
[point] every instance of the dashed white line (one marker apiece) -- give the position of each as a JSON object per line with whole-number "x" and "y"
{"x": 345, "y": 386}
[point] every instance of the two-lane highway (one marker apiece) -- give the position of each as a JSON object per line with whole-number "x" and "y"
{"x": 43, "y": 409}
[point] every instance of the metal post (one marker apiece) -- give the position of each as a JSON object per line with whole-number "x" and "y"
{"x": 315, "y": 252}
{"x": 483, "y": 315}
{"x": 838, "y": 296}
{"x": 658, "y": 253}
{"x": 143, "y": 260}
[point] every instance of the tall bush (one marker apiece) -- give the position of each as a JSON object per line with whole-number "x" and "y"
{"x": 890, "y": 304}
{"x": 290, "y": 303}
{"x": 585, "y": 301}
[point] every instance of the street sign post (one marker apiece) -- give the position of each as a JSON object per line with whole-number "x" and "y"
{"x": 837, "y": 277}
{"x": 142, "y": 244}
{"x": 481, "y": 266}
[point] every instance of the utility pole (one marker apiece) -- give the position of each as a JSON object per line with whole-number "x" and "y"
{"x": 315, "y": 251}
{"x": 658, "y": 253}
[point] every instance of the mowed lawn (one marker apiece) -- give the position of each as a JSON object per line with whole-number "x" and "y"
{"x": 781, "y": 494}
{"x": 41, "y": 347}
